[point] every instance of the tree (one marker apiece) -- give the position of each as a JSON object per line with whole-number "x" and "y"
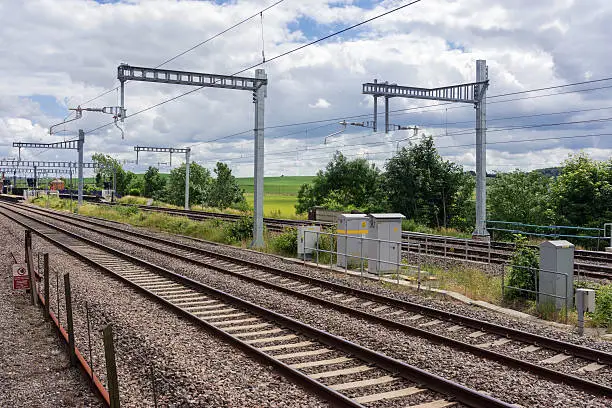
{"x": 225, "y": 191}
{"x": 106, "y": 172}
{"x": 521, "y": 197}
{"x": 199, "y": 185}
{"x": 423, "y": 186}
{"x": 153, "y": 183}
{"x": 351, "y": 183}
{"x": 583, "y": 192}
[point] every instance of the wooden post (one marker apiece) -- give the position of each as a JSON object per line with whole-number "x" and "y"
{"x": 30, "y": 263}
{"x": 46, "y": 277}
{"x": 69, "y": 321}
{"x": 111, "y": 367}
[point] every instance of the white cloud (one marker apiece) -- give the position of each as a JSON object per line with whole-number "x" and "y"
{"x": 320, "y": 104}
{"x": 433, "y": 43}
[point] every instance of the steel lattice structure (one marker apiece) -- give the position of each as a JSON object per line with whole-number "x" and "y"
{"x": 473, "y": 93}
{"x": 257, "y": 85}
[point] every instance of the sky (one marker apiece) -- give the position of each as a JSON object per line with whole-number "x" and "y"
{"x": 59, "y": 54}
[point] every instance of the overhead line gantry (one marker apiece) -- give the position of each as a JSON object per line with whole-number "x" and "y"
{"x": 186, "y": 150}
{"x": 257, "y": 85}
{"x": 474, "y": 93}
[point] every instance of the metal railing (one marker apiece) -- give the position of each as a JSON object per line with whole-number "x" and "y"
{"x": 537, "y": 292}
{"x": 361, "y": 258}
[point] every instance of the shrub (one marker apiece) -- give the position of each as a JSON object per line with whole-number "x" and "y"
{"x": 242, "y": 229}
{"x": 285, "y": 243}
{"x": 134, "y": 192}
{"x": 603, "y": 306}
{"x": 523, "y": 270}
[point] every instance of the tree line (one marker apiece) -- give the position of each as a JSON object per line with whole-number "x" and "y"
{"x": 420, "y": 184}
{"x": 221, "y": 191}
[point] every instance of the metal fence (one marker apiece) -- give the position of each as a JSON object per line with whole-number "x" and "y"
{"x": 535, "y": 274}
{"x": 357, "y": 261}
{"x": 551, "y": 231}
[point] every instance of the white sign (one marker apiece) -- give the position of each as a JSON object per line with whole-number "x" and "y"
{"x": 20, "y": 277}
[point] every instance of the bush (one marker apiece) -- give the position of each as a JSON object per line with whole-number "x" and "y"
{"x": 285, "y": 243}
{"x": 603, "y": 306}
{"x": 242, "y": 229}
{"x": 523, "y": 270}
{"x": 134, "y": 192}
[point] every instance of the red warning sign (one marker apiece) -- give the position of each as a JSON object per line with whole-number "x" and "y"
{"x": 20, "y": 277}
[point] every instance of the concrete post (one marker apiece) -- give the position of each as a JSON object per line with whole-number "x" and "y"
{"x": 481, "y": 154}
{"x": 187, "y": 154}
{"x": 80, "y": 144}
{"x": 259, "y": 99}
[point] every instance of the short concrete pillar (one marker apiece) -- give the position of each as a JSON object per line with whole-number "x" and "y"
{"x": 556, "y": 278}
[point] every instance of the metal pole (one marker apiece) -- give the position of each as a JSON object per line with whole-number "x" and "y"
{"x": 71, "y": 189}
{"x": 386, "y": 114}
{"x": 481, "y": 152}
{"x": 375, "y": 110}
{"x": 30, "y": 265}
{"x": 187, "y": 156}
{"x": 35, "y": 179}
{"x": 68, "y": 296}
{"x": 114, "y": 183}
{"x": 259, "y": 99}
{"x": 46, "y": 288}
{"x": 80, "y": 144}
{"x": 111, "y": 367}
{"x": 122, "y": 113}
{"x": 91, "y": 366}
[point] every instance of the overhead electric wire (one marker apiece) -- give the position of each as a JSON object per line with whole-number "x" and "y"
{"x": 418, "y": 108}
{"x": 381, "y": 132}
{"x": 440, "y": 147}
{"x": 220, "y": 33}
{"x": 284, "y": 54}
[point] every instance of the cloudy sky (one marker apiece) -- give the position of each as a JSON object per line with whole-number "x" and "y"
{"x": 57, "y": 54}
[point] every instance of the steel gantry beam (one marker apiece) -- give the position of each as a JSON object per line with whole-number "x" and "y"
{"x": 76, "y": 144}
{"x": 473, "y": 93}
{"x": 186, "y": 150}
{"x": 257, "y": 85}
{"x": 45, "y": 164}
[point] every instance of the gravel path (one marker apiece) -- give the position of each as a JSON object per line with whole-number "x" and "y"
{"x": 34, "y": 366}
{"x": 190, "y": 366}
{"x": 500, "y": 381}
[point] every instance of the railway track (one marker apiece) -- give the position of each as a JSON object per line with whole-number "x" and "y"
{"x": 576, "y": 364}
{"x": 299, "y": 351}
{"x": 592, "y": 264}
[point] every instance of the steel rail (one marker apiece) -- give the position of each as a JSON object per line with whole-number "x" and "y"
{"x": 477, "y": 251}
{"x": 433, "y": 382}
{"x": 579, "y": 351}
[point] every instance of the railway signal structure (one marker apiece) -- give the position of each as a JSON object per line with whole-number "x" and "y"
{"x": 186, "y": 150}
{"x": 36, "y": 167}
{"x": 474, "y": 93}
{"x": 257, "y": 85}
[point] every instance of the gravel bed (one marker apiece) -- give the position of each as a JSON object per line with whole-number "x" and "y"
{"x": 35, "y": 369}
{"x": 499, "y": 380}
{"x": 537, "y": 356}
{"x": 190, "y": 366}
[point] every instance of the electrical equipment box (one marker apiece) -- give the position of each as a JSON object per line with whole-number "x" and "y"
{"x": 585, "y": 299}
{"x": 307, "y": 240}
{"x": 556, "y": 277}
{"x": 385, "y": 248}
{"x": 351, "y": 248}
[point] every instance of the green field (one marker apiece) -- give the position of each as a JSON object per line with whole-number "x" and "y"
{"x": 287, "y": 185}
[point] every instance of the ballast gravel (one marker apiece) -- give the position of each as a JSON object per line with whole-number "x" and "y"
{"x": 424, "y": 298}
{"x": 34, "y": 367}
{"x": 511, "y": 385}
{"x": 154, "y": 348}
